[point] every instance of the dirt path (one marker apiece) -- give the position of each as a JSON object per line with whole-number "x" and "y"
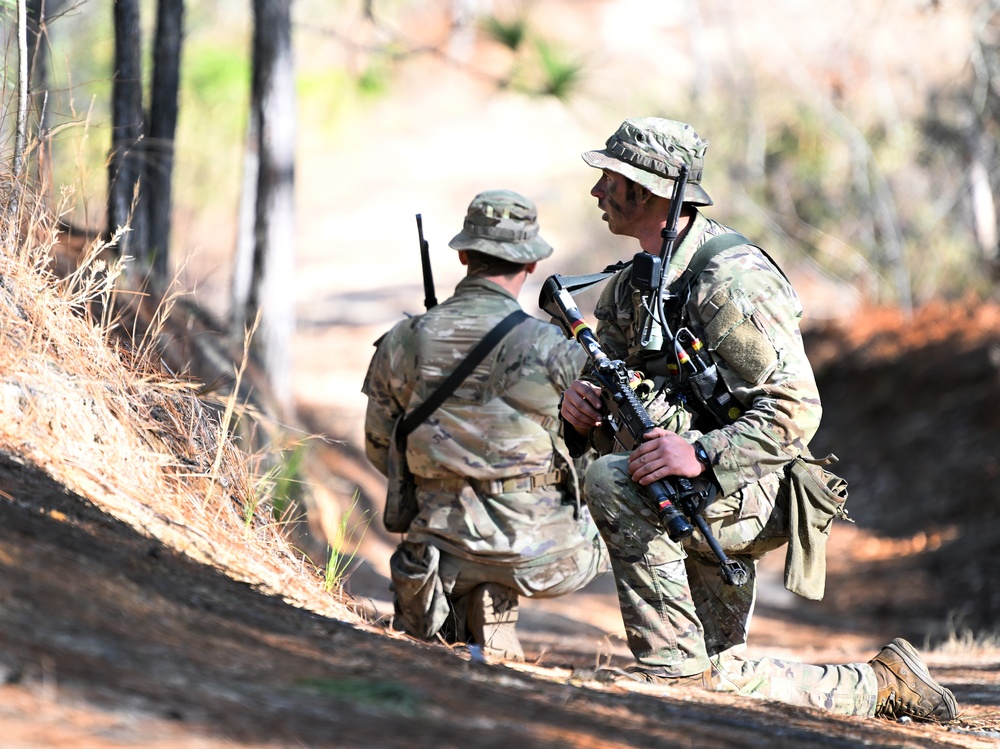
{"x": 110, "y": 639}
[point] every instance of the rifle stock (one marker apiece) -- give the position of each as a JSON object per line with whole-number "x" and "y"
{"x": 631, "y": 422}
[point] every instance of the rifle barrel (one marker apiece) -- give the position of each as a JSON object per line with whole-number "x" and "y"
{"x": 430, "y": 300}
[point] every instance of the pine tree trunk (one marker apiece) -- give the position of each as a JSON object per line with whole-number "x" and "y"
{"x": 20, "y": 139}
{"x": 274, "y": 251}
{"x": 125, "y": 162}
{"x": 159, "y": 149}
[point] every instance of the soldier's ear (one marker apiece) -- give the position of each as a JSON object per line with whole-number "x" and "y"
{"x": 530, "y": 267}
{"x": 463, "y": 257}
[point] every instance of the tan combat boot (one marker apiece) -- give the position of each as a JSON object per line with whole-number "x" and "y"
{"x": 492, "y": 618}
{"x": 906, "y": 688}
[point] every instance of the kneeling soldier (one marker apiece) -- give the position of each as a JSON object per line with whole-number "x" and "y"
{"x": 499, "y": 510}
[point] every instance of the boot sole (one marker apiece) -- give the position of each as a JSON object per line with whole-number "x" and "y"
{"x": 912, "y": 659}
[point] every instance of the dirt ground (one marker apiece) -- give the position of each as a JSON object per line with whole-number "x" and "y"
{"x": 110, "y": 638}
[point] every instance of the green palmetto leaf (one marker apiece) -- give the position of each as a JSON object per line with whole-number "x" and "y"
{"x": 560, "y": 74}
{"x": 510, "y": 33}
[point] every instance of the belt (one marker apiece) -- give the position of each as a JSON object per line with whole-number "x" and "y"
{"x": 493, "y": 486}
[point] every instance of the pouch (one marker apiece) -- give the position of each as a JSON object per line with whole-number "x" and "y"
{"x": 401, "y": 494}
{"x": 815, "y": 497}
{"x": 419, "y": 599}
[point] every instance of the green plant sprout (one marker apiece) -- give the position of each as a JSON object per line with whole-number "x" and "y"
{"x": 346, "y": 537}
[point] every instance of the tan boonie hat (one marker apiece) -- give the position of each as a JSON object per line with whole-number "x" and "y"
{"x": 503, "y": 224}
{"x": 650, "y": 151}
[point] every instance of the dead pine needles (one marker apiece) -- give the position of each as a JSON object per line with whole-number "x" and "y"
{"x": 94, "y": 410}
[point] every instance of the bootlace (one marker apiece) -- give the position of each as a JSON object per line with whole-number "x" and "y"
{"x": 892, "y": 705}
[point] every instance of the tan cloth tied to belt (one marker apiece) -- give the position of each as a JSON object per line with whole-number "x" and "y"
{"x": 494, "y": 486}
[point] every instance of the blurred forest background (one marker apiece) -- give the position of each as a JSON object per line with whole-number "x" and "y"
{"x": 855, "y": 140}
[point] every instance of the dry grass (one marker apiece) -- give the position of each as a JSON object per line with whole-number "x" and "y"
{"x": 95, "y": 412}
{"x": 961, "y": 640}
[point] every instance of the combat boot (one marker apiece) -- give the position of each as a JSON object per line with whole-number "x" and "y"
{"x": 906, "y": 688}
{"x": 492, "y": 619}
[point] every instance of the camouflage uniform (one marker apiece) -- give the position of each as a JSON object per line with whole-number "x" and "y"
{"x": 476, "y": 457}
{"x": 679, "y": 616}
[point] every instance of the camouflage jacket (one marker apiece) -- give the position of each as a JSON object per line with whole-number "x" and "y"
{"x": 747, "y": 314}
{"x": 502, "y": 422}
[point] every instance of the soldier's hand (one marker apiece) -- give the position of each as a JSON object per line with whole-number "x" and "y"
{"x": 662, "y": 454}
{"x": 581, "y": 406}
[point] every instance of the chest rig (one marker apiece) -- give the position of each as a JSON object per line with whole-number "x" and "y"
{"x": 671, "y": 354}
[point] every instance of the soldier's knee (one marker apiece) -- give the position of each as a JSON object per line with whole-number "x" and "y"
{"x": 601, "y": 484}
{"x": 605, "y": 486}
{"x": 628, "y": 524}
{"x": 418, "y": 595}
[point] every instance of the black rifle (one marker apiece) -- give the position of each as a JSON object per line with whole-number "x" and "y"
{"x": 630, "y": 422}
{"x": 425, "y": 263}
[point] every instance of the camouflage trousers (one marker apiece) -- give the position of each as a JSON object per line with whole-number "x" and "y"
{"x": 430, "y": 586}
{"x": 848, "y": 689}
{"x": 678, "y": 612}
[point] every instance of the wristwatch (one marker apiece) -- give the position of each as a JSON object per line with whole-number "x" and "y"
{"x": 702, "y": 455}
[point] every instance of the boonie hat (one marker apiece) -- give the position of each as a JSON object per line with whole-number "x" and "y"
{"x": 503, "y": 224}
{"x": 651, "y": 151}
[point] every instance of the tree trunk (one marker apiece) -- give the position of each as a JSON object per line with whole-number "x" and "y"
{"x": 125, "y": 162}
{"x": 984, "y": 214}
{"x": 159, "y": 148}
{"x": 271, "y": 291}
{"x": 39, "y": 12}
{"x": 245, "y": 242}
{"x": 17, "y": 167}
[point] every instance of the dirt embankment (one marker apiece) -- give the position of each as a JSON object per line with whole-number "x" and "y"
{"x": 912, "y": 408}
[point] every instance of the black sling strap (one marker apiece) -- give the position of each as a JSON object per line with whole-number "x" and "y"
{"x": 701, "y": 258}
{"x": 577, "y": 283}
{"x": 417, "y": 416}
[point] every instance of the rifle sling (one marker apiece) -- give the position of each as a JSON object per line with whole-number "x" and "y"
{"x": 417, "y": 417}
{"x": 577, "y": 283}
{"x": 704, "y": 254}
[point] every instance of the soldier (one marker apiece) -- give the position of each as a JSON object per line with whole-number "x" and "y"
{"x": 497, "y": 492}
{"x": 684, "y": 625}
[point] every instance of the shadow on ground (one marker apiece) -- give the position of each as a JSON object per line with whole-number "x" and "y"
{"x": 155, "y": 647}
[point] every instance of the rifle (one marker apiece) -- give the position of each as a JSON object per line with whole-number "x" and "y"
{"x": 648, "y": 278}
{"x": 629, "y": 419}
{"x": 631, "y": 422}
{"x": 425, "y": 263}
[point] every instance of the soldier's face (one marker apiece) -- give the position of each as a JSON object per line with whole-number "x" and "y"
{"x": 616, "y": 196}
